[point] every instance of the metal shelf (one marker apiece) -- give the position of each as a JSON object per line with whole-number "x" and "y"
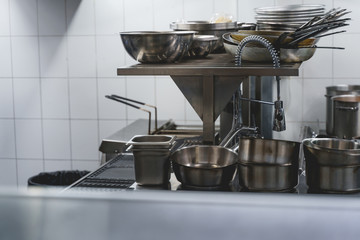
{"x": 214, "y": 64}
{"x": 209, "y": 83}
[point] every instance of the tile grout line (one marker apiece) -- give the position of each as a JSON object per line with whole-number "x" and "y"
{"x": 97, "y": 81}
{"x": 68, "y": 85}
{"x": 125, "y": 77}
{"x": 13, "y": 98}
{"x": 40, "y": 85}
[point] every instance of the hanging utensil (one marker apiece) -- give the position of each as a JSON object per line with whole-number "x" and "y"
{"x": 124, "y": 101}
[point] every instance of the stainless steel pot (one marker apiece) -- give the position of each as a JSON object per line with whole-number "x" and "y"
{"x": 346, "y": 116}
{"x": 332, "y": 165}
{"x": 332, "y": 91}
{"x": 204, "y": 165}
{"x": 268, "y": 165}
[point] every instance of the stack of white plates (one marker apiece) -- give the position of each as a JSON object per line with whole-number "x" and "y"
{"x": 288, "y": 17}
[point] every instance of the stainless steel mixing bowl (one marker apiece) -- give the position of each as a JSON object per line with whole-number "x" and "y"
{"x": 202, "y": 45}
{"x": 332, "y": 165}
{"x": 260, "y": 54}
{"x": 268, "y": 164}
{"x": 204, "y": 166}
{"x": 157, "y": 46}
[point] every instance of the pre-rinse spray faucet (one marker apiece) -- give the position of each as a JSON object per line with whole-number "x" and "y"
{"x": 279, "y": 114}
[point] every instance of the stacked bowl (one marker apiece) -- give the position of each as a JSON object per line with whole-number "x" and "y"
{"x": 287, "y": 18}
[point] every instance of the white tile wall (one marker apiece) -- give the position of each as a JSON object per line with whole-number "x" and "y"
{"x": 29, "y": 139}
{"x": 51, "y": 17}
{"x": 4, "y": 18}
{"x": 109, "y": 16}
{"x": 80, "y": 17}
{"x": 138, "y": 15}
{"x": 346, "y": 61}
{"x": 5, "y": 57}
{"x": 23, "y": 17}
{"x": 55, "y": 97}
{"x": 141, "y": 89}
{"x": 83, "y": 98}
{"x": 27, "y": 168}
{"x": 81, "y": 56}
{"x": 169, "y": 99}
{"x": 56, "y": 139}
{"x": 109, "y": 109}
{"x": 53, "y": 58}
{"x": 6, "y": 98}
{"x": 191, "y": 10}
{"x": 7, "y": 139}
{"x": 58, "y": 60}
{"x": 84, "y": 139}
{"x": 109, "y": 56}
{"x": 25, "y": 56}
{"x": 314, "y": 100}
{"x": 27, "y": 97}
{"x": 162, "y": 21}
{"x": 8, "y": 173}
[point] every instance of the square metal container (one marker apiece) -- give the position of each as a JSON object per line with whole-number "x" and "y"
{"x": 152, "y": 166}
{"x": 151, "y": 142}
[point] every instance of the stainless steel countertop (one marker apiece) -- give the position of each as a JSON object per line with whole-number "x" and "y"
{"x": 173, "y": 215}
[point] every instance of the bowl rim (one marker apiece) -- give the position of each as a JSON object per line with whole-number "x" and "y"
{"x": 155, "y": 33}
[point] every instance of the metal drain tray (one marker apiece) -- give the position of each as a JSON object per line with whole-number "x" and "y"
{"x": 116, "y": 174}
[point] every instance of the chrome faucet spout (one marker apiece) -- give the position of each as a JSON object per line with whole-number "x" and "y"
{"x": 279, "y": 114}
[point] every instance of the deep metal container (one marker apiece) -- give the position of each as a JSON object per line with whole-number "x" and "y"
{"x": 151, "y": 158}
{"x": 268, "y": 165}
{"x": 346, "y": 116}
{"x": 332, "y": 91}
{"x": 152, "y": 166}
{"x": 204, "y": 166}
{"x": 332, "y": 165}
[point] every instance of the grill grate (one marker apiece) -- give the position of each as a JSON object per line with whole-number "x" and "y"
{"x": 118, "y": 173}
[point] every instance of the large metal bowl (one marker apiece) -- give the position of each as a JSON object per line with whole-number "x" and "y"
{"x": 204, "y": 166}
{"x": 261, "y": 54}
{"x": 157, "y": 46}
{"x": 332, "y": 168}
{"x": 268, "y": 164}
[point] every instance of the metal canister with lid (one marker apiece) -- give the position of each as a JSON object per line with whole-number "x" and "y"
{"x": 332, "y": 91}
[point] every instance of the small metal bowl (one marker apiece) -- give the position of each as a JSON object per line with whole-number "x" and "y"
{"x": 202, "y": 45}
{"x": 157, "y": 46}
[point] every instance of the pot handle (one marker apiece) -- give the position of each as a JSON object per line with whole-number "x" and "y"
{"x": 354, "y": 109}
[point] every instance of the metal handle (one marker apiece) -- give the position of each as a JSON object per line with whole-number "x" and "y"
{"x": 347, "y": 108}
{"x": 112, "y": 97}
{"x": 141, "y": 103}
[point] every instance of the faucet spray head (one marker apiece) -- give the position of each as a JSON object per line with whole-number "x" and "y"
{"x": 279, "y": 117}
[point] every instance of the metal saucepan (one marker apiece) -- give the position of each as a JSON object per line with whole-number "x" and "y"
{"x": 268, "y": 164}
{"x": 332, "y": 165}
{"x": 204, "y": 165}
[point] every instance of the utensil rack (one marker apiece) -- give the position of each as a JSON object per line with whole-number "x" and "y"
{"x": 209, "y": 83}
